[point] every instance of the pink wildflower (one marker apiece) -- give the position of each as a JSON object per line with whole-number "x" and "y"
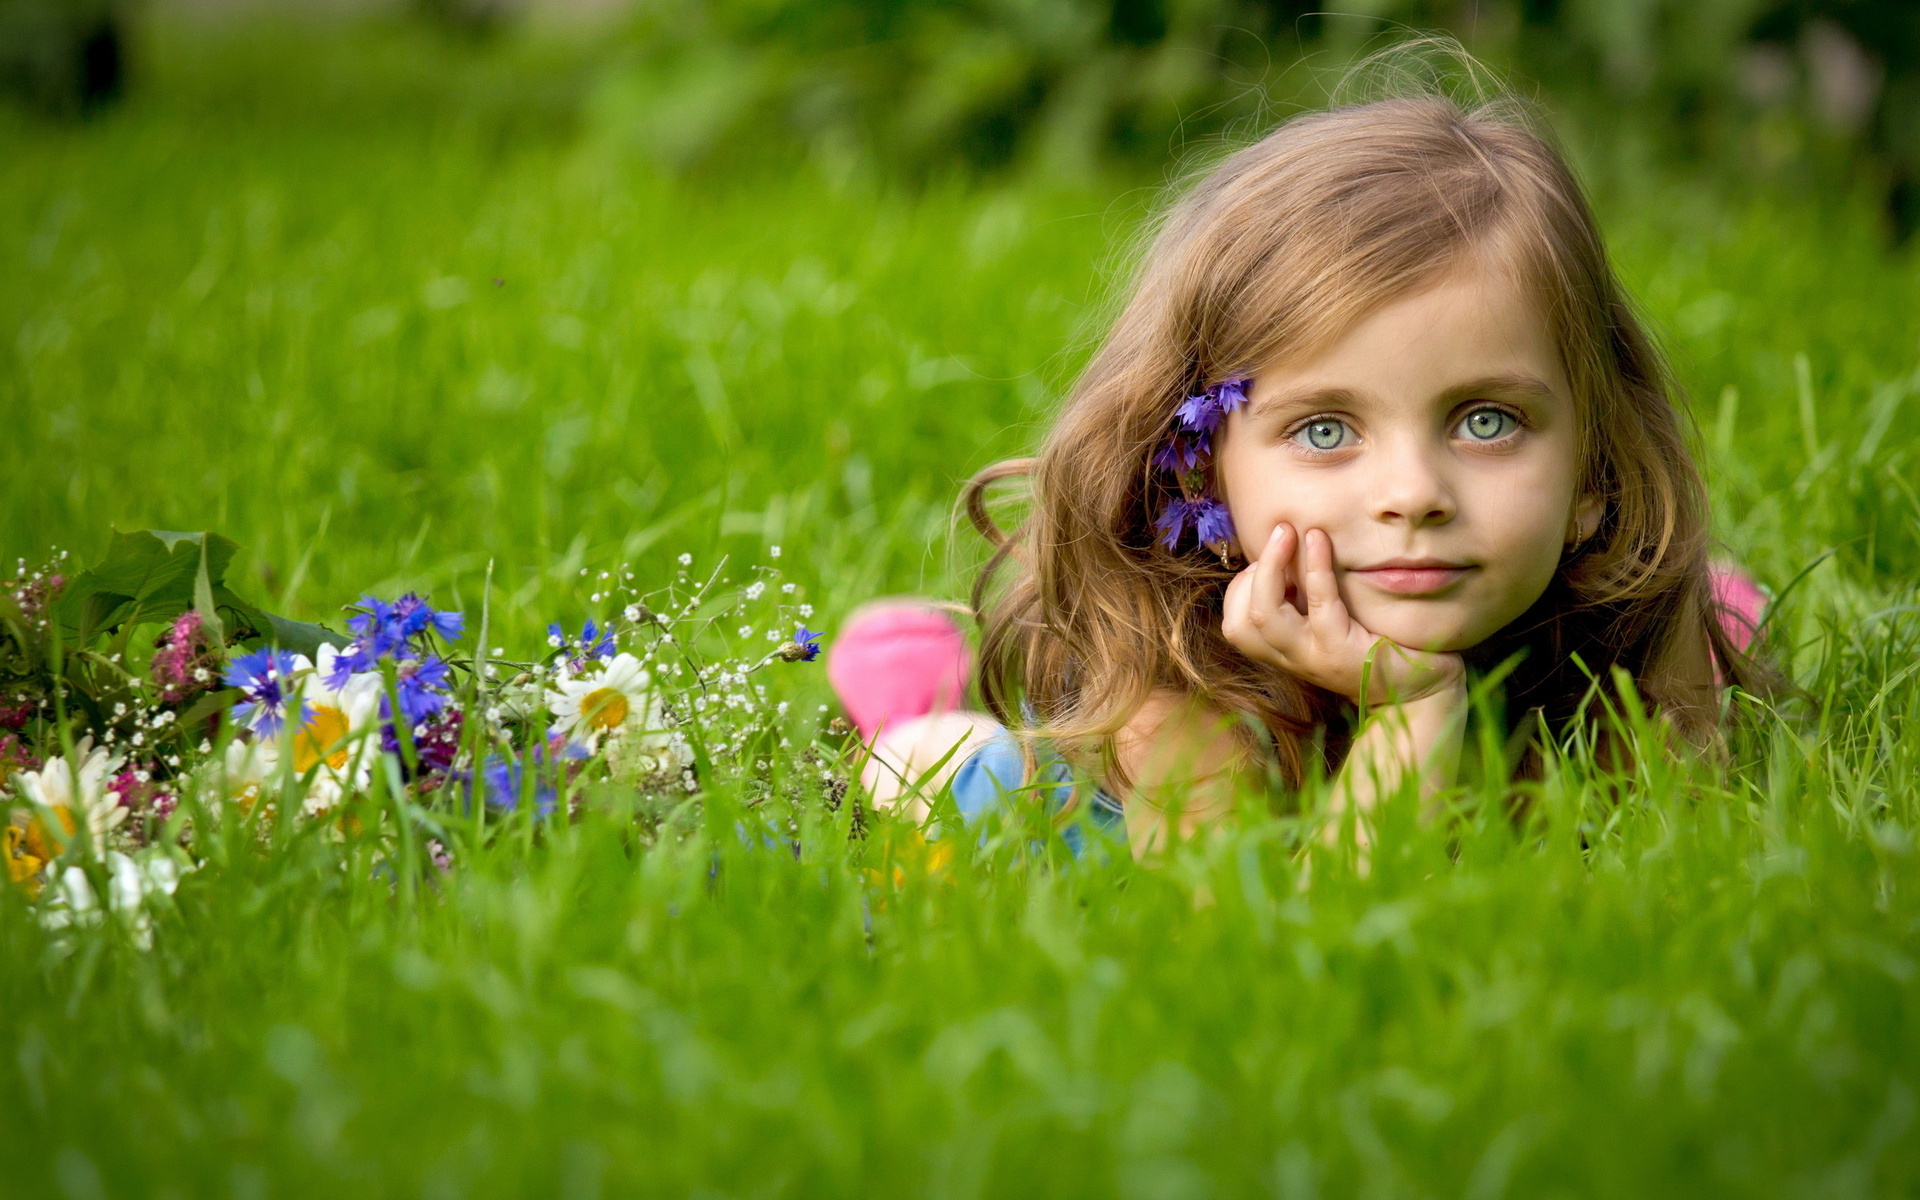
{"x": 181, "y": 662}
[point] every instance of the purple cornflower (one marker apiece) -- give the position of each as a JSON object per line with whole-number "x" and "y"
{"x": 1200, "y": 414}
{"x": 1183, "y": 453}
{"x": 1203, "y": 413}
{"x": 261, "y": 678}
{"x": 1212, "y": 524}
{"x": 1230, "y": 394}
{"x": 1172, "y": 521}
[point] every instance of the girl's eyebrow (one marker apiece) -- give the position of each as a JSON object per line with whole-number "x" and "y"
{"x": 1519, "y": 385}
{"x": 1305, "y": 397}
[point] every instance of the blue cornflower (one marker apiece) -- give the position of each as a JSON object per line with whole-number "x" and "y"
{"x": 262, "y": 679}
{"x": 805, "y": 646}
{"x": 412, "y": 617}
{"x": 383, "y": 630}
{"x": 422, "y": 684}
{"x": 594, "y": 642}
{"x": 374, "y": 627}
{"x": 501, "y": 780}
{"x": 809, "y": 643}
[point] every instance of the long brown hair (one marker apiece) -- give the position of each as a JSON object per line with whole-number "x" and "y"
{"x": 1277, "y": 250}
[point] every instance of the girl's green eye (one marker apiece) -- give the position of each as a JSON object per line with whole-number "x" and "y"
{"x": 1488, "y": 424}
{"x": 1324, "y": 433}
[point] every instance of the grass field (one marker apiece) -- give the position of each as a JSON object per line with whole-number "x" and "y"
{"x": 387, "y": 312}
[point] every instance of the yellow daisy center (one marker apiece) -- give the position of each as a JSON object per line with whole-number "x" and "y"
{"x": 40, "y": 843}
{"x": 322, "y": 737}
{"x": 604, "y": 709}
{"x": 22, "y": 864}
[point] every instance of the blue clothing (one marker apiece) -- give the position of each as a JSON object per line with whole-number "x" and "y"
{"x": 999, "y": 768}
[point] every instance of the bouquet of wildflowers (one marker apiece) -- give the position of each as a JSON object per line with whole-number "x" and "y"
{"x": 143, "y": 695}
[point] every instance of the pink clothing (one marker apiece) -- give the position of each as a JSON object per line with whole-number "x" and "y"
{"x": 895, "y": 660}
{"x": 1741, "y": 602}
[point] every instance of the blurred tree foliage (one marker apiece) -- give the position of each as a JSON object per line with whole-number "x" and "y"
{"x": 62, "y": 56}
{"x": 1059, "y": 85}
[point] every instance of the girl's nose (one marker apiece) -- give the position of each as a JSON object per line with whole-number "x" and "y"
{"x": 1408, "y": 490}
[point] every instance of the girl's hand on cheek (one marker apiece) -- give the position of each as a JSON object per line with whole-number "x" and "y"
{"x": 1311, "y": 634}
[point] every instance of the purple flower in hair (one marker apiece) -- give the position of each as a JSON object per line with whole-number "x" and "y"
{"x": 1172, "y": 522}
{"x": 1201, "y": 413}
{"x": 1182, "y": 454}
{"x": 1229, "y": 394}
{"x": 1212, "y": 524}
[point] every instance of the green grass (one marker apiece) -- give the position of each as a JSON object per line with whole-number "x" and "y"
{"x": 260, "y": 299}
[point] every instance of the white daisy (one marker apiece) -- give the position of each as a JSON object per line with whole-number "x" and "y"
{"x": 246, "y": 772}
{"x": 617, "y": 697}
{"x": 74, "y": 795}
{"x": 338, "y": 740}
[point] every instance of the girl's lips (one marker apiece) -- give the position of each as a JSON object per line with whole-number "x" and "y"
{"x": 1413, "y": 579}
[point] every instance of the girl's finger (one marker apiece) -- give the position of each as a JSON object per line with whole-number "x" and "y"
{"x": 1326, "y": 614}
{"x": 1235, "y": 604}
{"x": 1281, "y": 624}
{"x": 1237, "y": 622}
{"x": 1270, "y": 573}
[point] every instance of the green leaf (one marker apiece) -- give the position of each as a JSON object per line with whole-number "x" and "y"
{"x": 203, "y": 600}
{"x": 146, "y": 576}
{"x": 154, "y": 575}
{"x": 301, "y": 637}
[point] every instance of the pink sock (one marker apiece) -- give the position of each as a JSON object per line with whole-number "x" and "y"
{"x": 895, "y": 660}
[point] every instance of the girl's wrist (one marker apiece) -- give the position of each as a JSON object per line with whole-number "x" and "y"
{"x": 1442, "y": 703}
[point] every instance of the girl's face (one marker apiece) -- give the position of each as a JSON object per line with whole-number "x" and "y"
{"x": 1434, "y": 443}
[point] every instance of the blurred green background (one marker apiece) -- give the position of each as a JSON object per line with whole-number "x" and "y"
{"x": 391, "y": 292}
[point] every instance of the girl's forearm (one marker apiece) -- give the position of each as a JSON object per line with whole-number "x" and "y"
{"x": 1419, "y": 736}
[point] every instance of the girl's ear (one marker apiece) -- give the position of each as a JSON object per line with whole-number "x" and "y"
{"x": 1587, "y": 511}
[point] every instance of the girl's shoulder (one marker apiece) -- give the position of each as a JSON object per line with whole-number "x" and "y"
{"x": 1177, "y": 740}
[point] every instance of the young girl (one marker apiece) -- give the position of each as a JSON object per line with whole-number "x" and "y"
{"x": 1376, "y": 413}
